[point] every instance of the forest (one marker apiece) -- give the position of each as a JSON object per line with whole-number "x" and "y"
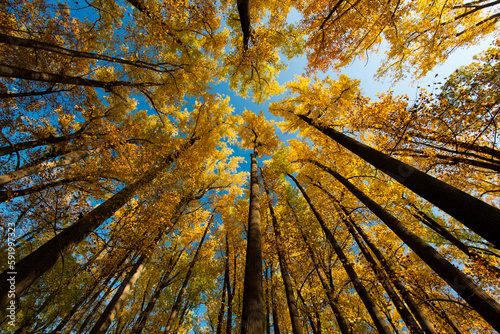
{"x": 135, "y": 197}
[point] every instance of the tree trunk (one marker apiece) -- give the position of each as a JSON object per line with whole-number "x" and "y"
{"x": 341, "y": 322}
{"x": 39, "y": 142}
{"x": 76, "y": 313}
{"x": 405, "y": 314}
{"x": 475, "y": 214}
{"x": 28, "y": 43}
{"x": 476, "y": 297}
{"x": 70, "y": 159}
{"x": 108, "y": 315}
{"x": 21, "y": 73}
{"x": 276, "y": 323}
{"x": 10, "y": 194}
{"x": 230, "y": 296}
{"x": 245, "y": 20}
{"x": 183, "y": 291}
{"x": 164, "y": 282}
{"x": 92, "y": 312}
{"x": 220, "y": 316}
{"x": 405, "y": 294}
{"x": 252, "y": 317}
{"x": 375, "y": 314}
{"x": 39, "y": 261}
{"x": 285, "y": 274}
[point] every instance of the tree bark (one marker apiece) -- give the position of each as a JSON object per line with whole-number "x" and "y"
{"x": 225, "y": 281}
{"x": 183, "y": 291}
{"x": 164, "y": 282}
{"x": 252, "y": 317}
{"x": 285, "y": 274}
{"x": 405, "y": 314}
{"x": 41, "y": 260}
{"x": 245, "y": 20}
{"x": 475, "y": 214}
{"x": 28, "y": 43}
{"x": 22, "y": 73}
{"x": 465, "y": 287}
{"x": 375, "y": 314}
{"x": 334, "y": 305}
{"x": 109, "y": 313}
{"x": 405, "y": 294}
{"x": 70, "y": 159}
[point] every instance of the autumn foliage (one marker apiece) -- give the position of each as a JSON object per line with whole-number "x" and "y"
{"x": 136, "y": 198}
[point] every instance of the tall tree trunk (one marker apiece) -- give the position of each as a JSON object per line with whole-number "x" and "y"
{"x": 375, "y": 314}
{"x": 274, "y": 310}
{"x": 334, "y": 305}
{"x": 285, "y": 274}
{"x": 471, "y": 253}
{"x": 267, "y": 293}
{"x": 245, "y": 21}
{"x": 405, "y": 294}
{"x": 76, "y": 313}
{"x": 164, "y": 282}
{"x": 22, "y": 73}
{"x": 70, "y": 159}
{"x": 109, "y": 313}
{"x": 28, "y": 43}
{"x": 39, "y": 261}
{"x": 405, "y": 314}
{"x": 475, "y": 214}
{"x": 40, "y": 142}
{"x": 183, "y": 291}
{"x": 230, "y": 296}
{"x": 476, "y": 297}
{"x": 92, "y": 312}
{"x": 10, "y": 194}
{"x": 220, "y": 315}
{"x": 252, "y": 317}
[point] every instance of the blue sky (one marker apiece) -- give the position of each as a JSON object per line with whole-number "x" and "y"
{"x": 362, "y": 70}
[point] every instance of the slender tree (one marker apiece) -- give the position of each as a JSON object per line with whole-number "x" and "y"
{"x": 465, "y": 287}
{"x": 370, "y": 305}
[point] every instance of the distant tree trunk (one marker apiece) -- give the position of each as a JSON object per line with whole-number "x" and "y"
{"x": 94, "y": 310}
{"x": 230, "y": 296}
{"x": 39, "y": 142}
{"x": 245, "y": 21}
{"x": 220, "y": 316}
{"x": 267, "y": 293}
{"x": 285, "y": 274}
{"x": 276, "y": 323}
{"x": 375, "y": 314}
{"x": 475, "y": 214}
{"x": 476, "y": 297}
{"x": 39, "y": 261}
{"x": 471, "y": 253}
{"x": 341, "y": 322}
{"x": 108, "y": 315}
{"x": 21, "y": 73}
{"x": 405, "y": 314}
{"x": 70, "y": 159}
{"x": 164, "y": 282}
{"x": 183, "y": 291}
{"x": 10, "y": 194}
{"x": 252, "y": 317}
{"x": 405, "y": 294}
{"x": 28, "y": 43}
{"x": 76, "y": 313}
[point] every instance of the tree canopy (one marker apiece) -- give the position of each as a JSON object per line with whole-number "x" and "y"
{"x": 136, "y": 198}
